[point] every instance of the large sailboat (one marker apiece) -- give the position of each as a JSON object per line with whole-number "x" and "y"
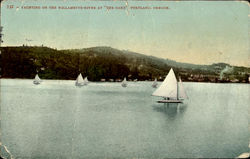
{"x": 171, "y": 90}
{"x": 79, "y": 81}
{"x": 37, "y": 80}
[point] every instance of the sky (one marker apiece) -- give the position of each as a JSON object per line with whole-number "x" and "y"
{"x": 200, "y": 32}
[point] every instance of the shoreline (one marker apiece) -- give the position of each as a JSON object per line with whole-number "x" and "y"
{"x": 121, "y": 81}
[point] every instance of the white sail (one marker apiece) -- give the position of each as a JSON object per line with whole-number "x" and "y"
{"x": 155, "y": 83}
{"x": 181, "y": 92}
{"x": 124, "y": 82}
{"x": 85, "y": 81}
{"x": 37, "y": 80}
{"x": 79, "y": 80}
{"x": 168, "y": 88}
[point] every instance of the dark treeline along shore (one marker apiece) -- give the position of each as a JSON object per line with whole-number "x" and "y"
{"x": 107, "y": 64}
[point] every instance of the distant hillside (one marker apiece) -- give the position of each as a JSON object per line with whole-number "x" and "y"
{"x": 107, "y": 63}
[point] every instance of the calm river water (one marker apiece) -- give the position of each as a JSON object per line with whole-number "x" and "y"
{"x": 104, "y": 120}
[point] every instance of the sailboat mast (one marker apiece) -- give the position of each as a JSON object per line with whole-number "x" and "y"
{"x": 79, "y": 63}
{"x": 177, "y": 90}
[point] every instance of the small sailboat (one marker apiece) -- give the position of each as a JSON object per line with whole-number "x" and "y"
{"x": 171, "y": 90}
{"x": 79, "y": 81}
{"x": 124, "y": 82}
{"x": 154, "y": 85}
{"x": 85, "y": 81}
{"x": 37, "y": 80}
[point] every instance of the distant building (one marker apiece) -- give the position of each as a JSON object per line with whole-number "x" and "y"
{"x": 118, "y": 80}
{"x": 235, "y": 80}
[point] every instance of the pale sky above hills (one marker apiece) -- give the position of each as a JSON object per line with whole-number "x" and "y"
{"x": 191, "y": 32}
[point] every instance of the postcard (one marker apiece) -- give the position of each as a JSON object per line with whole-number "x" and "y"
{"x": 106, "y": 79}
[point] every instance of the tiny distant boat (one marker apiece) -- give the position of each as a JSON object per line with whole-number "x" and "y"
{"x": 171, "y": 90}
{"x": 79, "y": 81}
{"x": 37, "y": 80}
{"x": 124, "y": 82}
{"x": 154, "y": 85}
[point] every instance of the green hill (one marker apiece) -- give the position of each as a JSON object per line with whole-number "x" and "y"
{"x": 107, "y": 63}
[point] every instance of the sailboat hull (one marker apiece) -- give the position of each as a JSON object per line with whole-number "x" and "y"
{"x": 36, "y": 83}
{"x": 80, "y": 84}
{"x": 124, "y": 85}
{"x": 169, "y": 101}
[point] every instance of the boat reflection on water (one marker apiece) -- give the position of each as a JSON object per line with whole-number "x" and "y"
{"x": 172, "y": 110}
